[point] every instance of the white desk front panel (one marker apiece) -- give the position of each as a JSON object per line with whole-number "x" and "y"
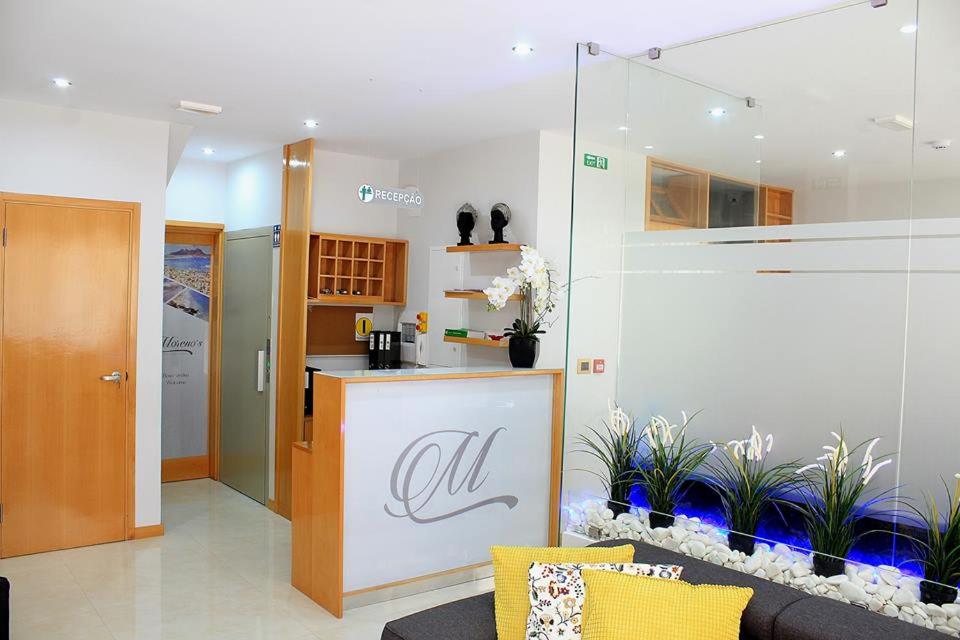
{"x": 436, "y": 471}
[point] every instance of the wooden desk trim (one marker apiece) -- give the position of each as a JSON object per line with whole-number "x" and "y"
{"x": 318, "y": 515}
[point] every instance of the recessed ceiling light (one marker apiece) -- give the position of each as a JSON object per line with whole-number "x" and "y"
{"x": 648, "y": 146}
{"x": 908, "y": 28}
{"x": 839, "y": 153}
{"x": 311, "y": 124}
{"x": 717, "y": 112}
{"x": 623, "y": 128}
{"x": 522, "y": 49}
{"x": 759, "y": 136}
{"x": 758, "y": 161}
{"x": 208, "y": 151}
{"x": 61, "y": 83}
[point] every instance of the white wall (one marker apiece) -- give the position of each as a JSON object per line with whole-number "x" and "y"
{"x": 197, "y": 192}
{"x": 336, "y": 207}
{"x": 254, "y": 191}
{"x": 851, "y": 200}
{"x": 553, "y": 234}
{"x": 483, "y": 174}
{"x": 67, "y": 152}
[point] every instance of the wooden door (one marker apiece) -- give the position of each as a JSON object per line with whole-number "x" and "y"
{"x": 195, "y": 282}
{"x": 67, "y": 330}
{"x": 292, "y": 314}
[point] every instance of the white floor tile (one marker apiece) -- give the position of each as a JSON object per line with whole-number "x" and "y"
{"x": 221, "y": 571}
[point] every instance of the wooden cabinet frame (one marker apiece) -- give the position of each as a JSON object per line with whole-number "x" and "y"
{"x": 374, "y": 267}
{"x": 767, "y": 197}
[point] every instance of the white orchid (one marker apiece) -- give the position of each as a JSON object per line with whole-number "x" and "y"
{"x": 619, "y": 420}
{"x": 532, "y": 278}
{"x": 659, "y": 431}
{"x": 499, "y": 293}
{"x": 753, "y": 449}
{"x": 869, "y": 469}
{"x": 837, "y": 458}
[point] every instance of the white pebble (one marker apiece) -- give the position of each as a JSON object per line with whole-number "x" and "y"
{"x": 853, "y": 592}
{"x": 954, "y": 623}
{"x": 886, "y": 591}
{"x": 902, "y": 598}
{"x": 890, "y": 610}
{"x": 697, "y": 549}
{"x": 952, "y": 610}
{"x": 835, "y": 580}
{"x": 799, "y": 570}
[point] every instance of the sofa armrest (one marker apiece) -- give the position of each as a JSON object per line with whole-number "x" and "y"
{"x": 469, "y": 619}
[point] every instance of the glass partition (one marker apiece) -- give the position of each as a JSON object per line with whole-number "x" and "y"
{"x": 772, "y": 242}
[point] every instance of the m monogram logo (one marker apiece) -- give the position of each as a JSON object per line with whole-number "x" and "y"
{"x": 437, "y": 463}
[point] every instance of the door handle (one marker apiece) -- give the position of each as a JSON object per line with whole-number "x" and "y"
{"x": 261, "y": 360}
{"x": 113, "y": 377}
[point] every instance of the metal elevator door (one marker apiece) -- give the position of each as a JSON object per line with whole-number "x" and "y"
{"x": 245, "y": 391}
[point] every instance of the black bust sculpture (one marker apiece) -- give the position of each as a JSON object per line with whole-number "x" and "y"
{"x": 499, "y": 219}
{"x": 466, "y": 220}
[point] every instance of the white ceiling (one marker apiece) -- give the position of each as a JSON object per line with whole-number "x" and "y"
{"x": 384, "y": 78}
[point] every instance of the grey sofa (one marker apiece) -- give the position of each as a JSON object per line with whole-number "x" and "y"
{"x": 775, "y": 612}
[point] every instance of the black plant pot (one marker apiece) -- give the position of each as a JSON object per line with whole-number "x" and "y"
{"x": 617, "y": 507}
{"x": 935, "y": 593}
{"x": 524, "y": 352}
{"x": 741, "y": 542}
{"x": 827, "y": 566}
{"x": 664, "y": 520}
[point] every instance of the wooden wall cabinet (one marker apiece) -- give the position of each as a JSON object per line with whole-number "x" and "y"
{"x": 776, "y": 206}
{"x": 682, "y": 197}
{"x": 356, "y": 270}
{"x": 677, "y": 196}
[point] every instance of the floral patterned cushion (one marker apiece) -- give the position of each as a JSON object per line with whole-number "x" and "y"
{"x": 557, "y": 593}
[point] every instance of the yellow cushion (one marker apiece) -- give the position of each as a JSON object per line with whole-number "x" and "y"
{"x": 622, "y": 607}
{"x": 510, "y": 574}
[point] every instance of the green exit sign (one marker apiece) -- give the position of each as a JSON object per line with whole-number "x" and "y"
{"x": 597, "y": 162}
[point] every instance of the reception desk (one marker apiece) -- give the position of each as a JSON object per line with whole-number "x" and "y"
{"x": 411, "y": 475}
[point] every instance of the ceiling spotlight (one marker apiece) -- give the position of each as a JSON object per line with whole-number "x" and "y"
{"x": 522, "y": 49}
{"x": 908, "y": 28}
{"x": 648, "y": 146}
{"x": 758, "y": 161}
{"x": 717, "y": 112}
{"x": 311, "y": 124}
{"x": 759, "y": 136}
{"x": 208, "y": 151}
{"x": 623, "y": 128}
{"x": 61, "y": 83}
{"x": 839, "y": 153}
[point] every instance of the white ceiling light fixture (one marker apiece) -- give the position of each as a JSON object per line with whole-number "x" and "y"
{"x": 758, "y": 161}
{"x": 61, "y": 83}
{"x": 840, "y": 153}
{"x": 623, "y": 128}
{"x": 759, "y": 136}
{"x": 522, "y": 49}
{"x": 311, "y": 124}
{"x": 896, "y": 122}
{"x": 199, "y": 108}
{"x": 208, "y": 151}
{"x": 717, "y": 112}
{"x": 908, "y": 28}
{"x": 648, "y": 147}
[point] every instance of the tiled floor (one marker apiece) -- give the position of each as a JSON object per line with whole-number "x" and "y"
{"x": 222, "y": 570}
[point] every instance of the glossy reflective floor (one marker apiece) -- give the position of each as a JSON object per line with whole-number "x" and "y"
{"x": 222, "y": 570}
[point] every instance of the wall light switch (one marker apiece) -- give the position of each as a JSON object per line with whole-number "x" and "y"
{"x": 599, "y": 365}
{"x": 583, "y": 366}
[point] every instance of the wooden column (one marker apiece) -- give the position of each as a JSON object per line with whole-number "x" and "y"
{"x": 292, "y": 311}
